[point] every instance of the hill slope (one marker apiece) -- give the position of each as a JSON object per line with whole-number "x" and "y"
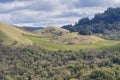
{"x": 10, "y": 35}
{"x": 59, "y": 35}
{"x": 48, "y": 38}
{"x": 47, "y": 44}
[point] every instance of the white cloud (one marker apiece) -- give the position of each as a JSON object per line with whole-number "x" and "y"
{"x": 117, "y": 1}
{"x": 51, "y": 12}
{"x": 24, "y": 24}
{"x": 6, "y": 7}
{"x": 6, "y": 18}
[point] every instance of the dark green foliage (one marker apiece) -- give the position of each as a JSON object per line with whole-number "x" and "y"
{"x": 83, "y": 22}
{"x": 29, "y": 78}
{"x": 14, "y": 43}
{"x": 85, "y": 32}
{"x": 102, "y": 75}
{"x": 104, "y": 23}
{"x": 69, "y": 27}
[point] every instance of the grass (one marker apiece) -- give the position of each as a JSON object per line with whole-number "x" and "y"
{"x": 50, "y": 31}
{"x": 59, "y": 35}
{"x": 14, "y": 36}
{"x": 9, "y": 35}
{"x": 100, "y": 44}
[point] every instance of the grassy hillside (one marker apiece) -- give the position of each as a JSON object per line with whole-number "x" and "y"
{"x": 75, "y": 38}
{"x": 59, "y": 35}
{"x": 10, "y": 35}
{"x": 51, "y": 31}
{"x": 54, "y": 38}
{"x": 100, "y": 44}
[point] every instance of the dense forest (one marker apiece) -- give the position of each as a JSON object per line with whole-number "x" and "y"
{"x": 35, "y": 63}
{"x": 107, "y": 23}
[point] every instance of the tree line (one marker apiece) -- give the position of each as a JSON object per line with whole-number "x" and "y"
{"x": 103, "y": 23}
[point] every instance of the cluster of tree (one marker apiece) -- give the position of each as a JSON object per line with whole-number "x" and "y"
{"x": 104, "y": 23}
{"x": 35, "y": 63}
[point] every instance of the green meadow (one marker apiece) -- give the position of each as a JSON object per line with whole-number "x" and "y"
{"x": 100, "y": 44}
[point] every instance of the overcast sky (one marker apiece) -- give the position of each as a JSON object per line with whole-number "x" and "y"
{"x": 51, "y": 12}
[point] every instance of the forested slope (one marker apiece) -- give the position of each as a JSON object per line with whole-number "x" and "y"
{"x": 107, "y": 23}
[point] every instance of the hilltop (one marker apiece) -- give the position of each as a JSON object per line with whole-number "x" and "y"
{"x": 51, "y": 31}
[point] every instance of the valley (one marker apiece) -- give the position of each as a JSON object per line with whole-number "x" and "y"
{"x": 86, "y": 50}
{"x": 53, "y": 38}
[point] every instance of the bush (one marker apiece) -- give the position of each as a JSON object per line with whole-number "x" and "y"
{"x": 102, "y": 74}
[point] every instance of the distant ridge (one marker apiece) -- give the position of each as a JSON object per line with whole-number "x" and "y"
{"x": 32, "y": 28}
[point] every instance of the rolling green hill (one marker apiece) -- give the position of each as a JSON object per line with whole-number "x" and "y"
{"x": 59, "y": 35}
{"x": 10, "y": 35}
{"x": 100, "y": 44}
{"x": 49, "y": 38}
{"x": 51, "y": 31}
{"x": 53, "y": 38}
